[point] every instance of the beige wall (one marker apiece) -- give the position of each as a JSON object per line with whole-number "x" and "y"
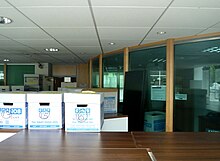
{"x": 82, "y": 75}
{"x": 64, "y": 70}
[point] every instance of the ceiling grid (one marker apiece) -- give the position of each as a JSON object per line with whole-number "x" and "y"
{"x": 84, "y": 29}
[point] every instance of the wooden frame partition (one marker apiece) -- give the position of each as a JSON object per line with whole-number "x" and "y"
{"x": 169, "y": 68}
{"x": 126, "y": 59}
{"x": 90, "y": 73}
{"x": 169, "y": 84}
{"x": 5, "y": 74}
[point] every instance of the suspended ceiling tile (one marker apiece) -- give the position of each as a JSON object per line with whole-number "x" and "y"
{"x": 146, "y": 41}
{"x": 189, "y": 18}
{"x": 18, "y": 19}
{"x": 60, "y": 16}
{"x": 24, "y": 33}
{"x": 151, "y": 3}
{"x": 9, "y": 43}
{"x": 196, "y": 3}
{"x": 172, "y": 33}
{"x": 15, "y": 49}
{"x": 126, "y": 17}
{"x": 67, "y": 59}
{"x": 79, "y": 42}
{"x": 86, "y": 49}
{"x": 217, "y": 25}
{"x": 20, "y": 3}
{"x": 118, "y": 33}
{"x": 4, "y": 4}
{"x": 17, "y": 59}
{"x": 72, "y": 33}
{"x": 3, "y": 37}
{"x": 119, "y": 43}
{"x": 210, "y": 30}
{"x": 40, "y": 43}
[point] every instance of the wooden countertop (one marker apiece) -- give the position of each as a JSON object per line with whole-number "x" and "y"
{"x": 57, "y": 145}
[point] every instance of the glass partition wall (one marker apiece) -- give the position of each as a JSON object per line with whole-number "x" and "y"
{"x": 197, "y": 86}
{"x": 145, "y": 89}
{"x": 184, "y": 89}
{"x": 1, "y": 75}
{"x": 113, "y": 72}
{"x": 95, "y": 73}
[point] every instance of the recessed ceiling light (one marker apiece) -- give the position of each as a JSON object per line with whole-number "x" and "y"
{"x": 161, "y": 32}
{"x": 6, "y": 60}
{"x": 51, "y": 49}
{"x": 111, "y": 43}
{"x": 5, "y": 20}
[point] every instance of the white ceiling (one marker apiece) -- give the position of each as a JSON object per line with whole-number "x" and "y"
{"x": 82, "y": 29}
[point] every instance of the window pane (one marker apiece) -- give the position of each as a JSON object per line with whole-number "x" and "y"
{"x": 95, "y": 73}
{"x": 1, "y": 75}
{"x": 113, "y": 73}
{"x": 197, "y": 86}
{"x": 145, "y": 90}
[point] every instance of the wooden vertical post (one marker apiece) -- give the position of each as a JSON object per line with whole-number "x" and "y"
{"x": 169, "y": 84}
{"x": 90, "y": 73}
{"x": 5, "y": 74}
{"x": 126, "y": 58}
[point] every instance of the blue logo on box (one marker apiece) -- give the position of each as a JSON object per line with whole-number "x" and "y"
{"x": 44, "y": 113}
{"x": 82, "y": 114}
{"x": 8, "y": 112}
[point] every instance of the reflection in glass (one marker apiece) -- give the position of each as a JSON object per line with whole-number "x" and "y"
{"x": 113, "y": 73}
{"x": 145, "y": 90}
{"x": 197, "y": 82}
{"x": 1, "y": 77}
{"x": 95, "y": 73}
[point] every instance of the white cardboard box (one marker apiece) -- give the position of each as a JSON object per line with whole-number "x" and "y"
{"x": 154, "y": 121}
{"x": 45, "y": 110}
{"x": 83, "y": 112}
{"x": 110, "y": 99}
{"x": 13, "y": 110}
{"x": 110, "y": 102}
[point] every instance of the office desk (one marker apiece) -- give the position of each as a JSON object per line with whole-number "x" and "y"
{"x": 57, "y": 145}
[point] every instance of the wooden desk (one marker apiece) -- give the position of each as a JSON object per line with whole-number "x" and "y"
{"x": 57, "y": 145}
{"x": 181, "y": 146}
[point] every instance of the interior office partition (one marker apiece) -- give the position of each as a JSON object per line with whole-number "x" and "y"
{"x": 197, "y": 85}
{"x": 113, "y": 73}
{"x": 95, "y": 73}
{"x": 137, "y": 59}
{"x": 145, "y": 90}
{"x": 2, "y": 74}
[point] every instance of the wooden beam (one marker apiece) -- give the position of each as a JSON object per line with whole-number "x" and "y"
{"x": 100, "y": 71}
{"x": 153, "y": 44}
{"x": 5, "y": 74}
{"x": 126, "y": 52}
{"x": 114, "y": 52}
{"x": 169, "y": 84}
{"x": 90, "y": 73}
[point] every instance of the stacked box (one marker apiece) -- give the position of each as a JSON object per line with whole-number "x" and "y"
{"x": 110, "y": 102}
{"x": 45, "y": 110}
{"x": 110, "y": 99}
{"x": 154, "y": 121}
{"x": 83, "y": 112}
{"x": 13, "y": 110}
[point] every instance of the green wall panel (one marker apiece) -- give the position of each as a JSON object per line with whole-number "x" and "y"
{"x": 15, "y": 73}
